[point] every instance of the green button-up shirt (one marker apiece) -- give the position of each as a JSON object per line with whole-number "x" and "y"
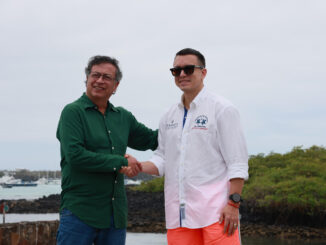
{"x": 92, "y": 152}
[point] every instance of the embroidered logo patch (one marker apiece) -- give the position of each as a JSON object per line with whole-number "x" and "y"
{"x": 201, "y": 122}
{"x": 171, "y": 125}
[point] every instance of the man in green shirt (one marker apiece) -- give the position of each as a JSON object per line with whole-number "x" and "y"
{"x": 93, "y": 137}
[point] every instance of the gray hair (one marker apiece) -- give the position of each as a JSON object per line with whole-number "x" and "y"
{"x": 99, "y": 59}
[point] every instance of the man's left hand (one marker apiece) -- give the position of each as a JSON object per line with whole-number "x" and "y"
{"x": 230, "y": 216}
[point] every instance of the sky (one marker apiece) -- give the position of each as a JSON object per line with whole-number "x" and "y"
{"x": 267, "y": 57}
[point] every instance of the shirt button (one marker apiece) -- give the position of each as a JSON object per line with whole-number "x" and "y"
{"x": 115, "y": 181}
{"x": 112, "y": 198}
{"x": 114, "y": 169}
{"x": 112, "y": 147}
{"x": 109, "y": 131}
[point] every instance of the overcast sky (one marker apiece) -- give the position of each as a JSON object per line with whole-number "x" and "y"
{"x": 267, "y": 57}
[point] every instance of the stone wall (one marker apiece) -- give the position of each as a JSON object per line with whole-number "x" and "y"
{"x": 44, "y": 232}
{"x": 29, "y": 233}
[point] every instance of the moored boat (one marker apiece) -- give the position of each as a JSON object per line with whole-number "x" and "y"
{"x": 6, "y": 185}
{"x": 22, "y": 184}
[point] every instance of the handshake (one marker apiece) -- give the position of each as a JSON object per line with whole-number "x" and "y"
{"x": 134, "y": 167}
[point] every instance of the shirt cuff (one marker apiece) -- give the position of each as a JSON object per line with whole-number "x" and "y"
{"x": 238, "y": 170}
{"x": 159, "y": 163}
{"x": 124, "y": 162}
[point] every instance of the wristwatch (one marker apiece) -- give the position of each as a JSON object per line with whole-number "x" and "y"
{"x": 235, "y": 197}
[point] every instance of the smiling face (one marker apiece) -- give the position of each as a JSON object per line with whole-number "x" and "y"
{"x": 101, "y": 82}
{"x": 193, "y": 83}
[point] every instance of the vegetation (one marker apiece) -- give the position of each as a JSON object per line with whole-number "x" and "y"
{"x": 295, "y": 180}
{"x": 154, "y": 185}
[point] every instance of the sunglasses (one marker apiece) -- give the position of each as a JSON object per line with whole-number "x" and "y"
{"x": 188, "y": 70}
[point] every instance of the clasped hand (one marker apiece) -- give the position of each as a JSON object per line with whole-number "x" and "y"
{"x": 134, "y": 167}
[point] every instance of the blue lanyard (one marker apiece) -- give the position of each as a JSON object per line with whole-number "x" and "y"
{"x": 185, "y": 117}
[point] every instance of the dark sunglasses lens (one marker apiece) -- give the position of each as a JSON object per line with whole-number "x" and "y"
{"x": 176, "y": 71}
{"x": 189, "y": 69}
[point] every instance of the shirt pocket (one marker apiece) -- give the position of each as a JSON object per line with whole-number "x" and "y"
{"x": 119, "y": 143}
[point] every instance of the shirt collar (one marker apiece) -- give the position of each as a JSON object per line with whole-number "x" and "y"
{"x": 87, "y": 103}
{"x": 196, "y": 100}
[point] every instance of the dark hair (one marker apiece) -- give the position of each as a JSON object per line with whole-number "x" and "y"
{"x": 199, "y": 55}
{"x": 98, "y": 59}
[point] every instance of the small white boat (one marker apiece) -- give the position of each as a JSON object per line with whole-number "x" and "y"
{"x": 9, "y": 182}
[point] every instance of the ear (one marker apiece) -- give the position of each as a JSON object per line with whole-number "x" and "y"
{"x": 204, "y": 72}
{"x": 116, "y": 86}
{"x": 86, "y": 80}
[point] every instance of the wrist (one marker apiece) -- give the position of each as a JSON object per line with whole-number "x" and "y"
{"x": 233, "y": 204}
{"x": 235, "y": 198}
{"x": 124, "y": 163}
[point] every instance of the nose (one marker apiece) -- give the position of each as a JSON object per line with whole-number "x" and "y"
{"x": 100, "y": 79}
{"x": 182, "y": 73}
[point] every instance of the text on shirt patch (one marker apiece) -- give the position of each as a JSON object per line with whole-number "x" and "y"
{"x": 201, "y": 122}
{"x": 171, "y": 125}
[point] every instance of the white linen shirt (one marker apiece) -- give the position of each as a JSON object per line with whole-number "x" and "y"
{"x": 199, "y": 159}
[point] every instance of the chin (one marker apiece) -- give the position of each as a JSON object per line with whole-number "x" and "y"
{"x": 184, "y": 88}
{"x": 98, "y": 93}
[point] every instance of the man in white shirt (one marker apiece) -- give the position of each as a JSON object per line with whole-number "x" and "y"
{"x": 202, "y": 154}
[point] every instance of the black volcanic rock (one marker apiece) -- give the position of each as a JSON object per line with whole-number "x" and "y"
{"x": 145, "y": 211}
{"x": 49, "y": 204}
{"x": 146, "y": 214}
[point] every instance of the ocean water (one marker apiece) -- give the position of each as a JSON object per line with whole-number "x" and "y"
{"x": 39, "y": 191}
{"x": 15, "y": 218}
{"x": 145, "y": 239}
{"x": 29, "y": 193}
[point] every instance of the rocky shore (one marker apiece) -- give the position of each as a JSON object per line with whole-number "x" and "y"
{"x": 146, "y": 214}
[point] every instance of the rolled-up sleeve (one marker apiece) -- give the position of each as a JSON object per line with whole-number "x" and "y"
{"x": 232, "y": 143}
